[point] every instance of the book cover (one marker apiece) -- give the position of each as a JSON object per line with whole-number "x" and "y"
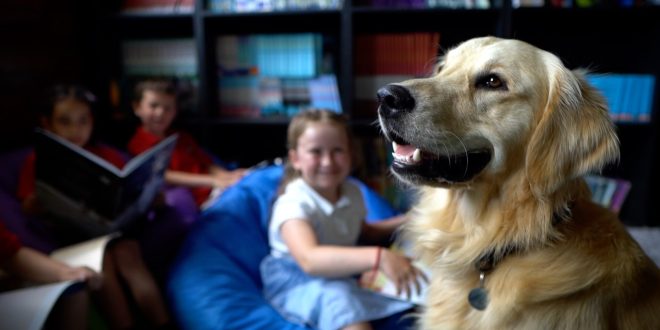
{"x": 90, "y": 193}
{"x": 620, "y": 194}
{"x": 28, "y": 308}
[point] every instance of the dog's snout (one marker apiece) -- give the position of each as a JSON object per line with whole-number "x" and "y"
{"x": 395, "y": 99}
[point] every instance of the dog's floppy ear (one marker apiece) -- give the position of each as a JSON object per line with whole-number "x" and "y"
{"x": 574, "y": 134}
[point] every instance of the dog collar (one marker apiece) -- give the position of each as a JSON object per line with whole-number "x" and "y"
{"x": 478, "y": 297}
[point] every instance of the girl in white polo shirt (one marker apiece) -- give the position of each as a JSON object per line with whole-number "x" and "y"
{"x": 312, "y": 274}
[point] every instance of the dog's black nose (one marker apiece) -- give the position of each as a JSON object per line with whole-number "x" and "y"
{"x": 394, "y": 99}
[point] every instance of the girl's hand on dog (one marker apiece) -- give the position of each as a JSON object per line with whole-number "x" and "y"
{"x": 402, "y": 272}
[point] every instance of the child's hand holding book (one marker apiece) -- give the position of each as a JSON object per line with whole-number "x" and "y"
{"x": 397, "y": 275}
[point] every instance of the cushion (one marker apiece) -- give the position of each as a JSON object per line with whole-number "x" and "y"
{"x": 11, "y": 214}
{"x": 215, "y": 281}
{"x": 10, "y": 163}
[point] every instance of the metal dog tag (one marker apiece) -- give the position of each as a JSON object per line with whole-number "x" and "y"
{"x": 478, "y": 297}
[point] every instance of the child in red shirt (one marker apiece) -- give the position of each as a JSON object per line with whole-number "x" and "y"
{"x": 190, "y": 166}
{"x": 69, "y": 115}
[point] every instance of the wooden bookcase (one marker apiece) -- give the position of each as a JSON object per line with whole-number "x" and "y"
{"x": 604, "y": 39}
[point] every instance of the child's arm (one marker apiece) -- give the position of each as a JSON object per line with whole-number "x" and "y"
{"x": 341, "y": 261}
{"x": 381, "y": 232}
{"x": 188, "y": 179}
{"x": 227, "y": 177}
{"x": 35, "y": 266}
{"x": 217, "y": 177}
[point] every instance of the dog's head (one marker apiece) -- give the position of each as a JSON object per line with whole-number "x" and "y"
{"x": 496, "y": 106}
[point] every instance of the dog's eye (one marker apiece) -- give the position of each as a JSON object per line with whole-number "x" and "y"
{"x": 490, "y": 81}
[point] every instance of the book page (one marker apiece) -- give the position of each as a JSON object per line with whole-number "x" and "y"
{"x": 75, "y": 186}
{"x": 88, "y": 253}
{"x": 162, "y": 151}
{"x": 383, "y": 285}
{"x": 28, "y": 309}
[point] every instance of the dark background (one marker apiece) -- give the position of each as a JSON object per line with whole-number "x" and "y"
{"x": 44, "y": 42}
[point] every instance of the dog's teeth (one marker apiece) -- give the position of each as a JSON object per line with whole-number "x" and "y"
{"x": 417, "y": 156}
{"x": 394, "y": 146}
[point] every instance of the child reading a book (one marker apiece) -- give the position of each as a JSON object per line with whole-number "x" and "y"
{"x": 311, "y": 274}
{"x": 155, "y": 104}
{"x": 68, "y": 114}
{"x": 31, "y": 265}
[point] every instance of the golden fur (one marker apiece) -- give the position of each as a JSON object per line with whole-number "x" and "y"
{"x": 575, "y": 266}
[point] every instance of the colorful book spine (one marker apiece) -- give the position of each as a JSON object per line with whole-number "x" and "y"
{"x": 629, "y": 96}
{"x": 158, "y": 6}
{"x": 243, "y": 6}
{"x": 281, "y": 73}
{"x": 608, "y": 192}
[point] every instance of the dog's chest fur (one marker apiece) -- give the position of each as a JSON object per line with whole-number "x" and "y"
{"x": 587, "y": 270}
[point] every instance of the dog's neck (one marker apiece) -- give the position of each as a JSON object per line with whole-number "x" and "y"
{"x": 494, "y": 219}
{"x": 508, "y": 216}
{"x": 489, "y": 258}
{"x": 478, "y": 297}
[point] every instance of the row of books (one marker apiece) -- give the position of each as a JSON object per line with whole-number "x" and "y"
{"x": 608, "y": 192}
{"x": 274, "y": 75}
{"x": 396, "y": 53}
{"x": 584, "y": 3}
{"x": 158, "y": 6}
{"x": 225, "y": 6}
{"x": 629, "y": 96}
{"x": 240, "y": 6}
{"x": 253, "y": 96}
{"x": 376, "y": 65}
{"x": 287, "y": 71}
{"x": 297, "y": 55}
{"x": 450, "y": 4}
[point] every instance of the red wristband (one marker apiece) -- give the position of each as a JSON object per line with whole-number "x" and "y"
{"x": 376, "y": 267}
{"x": 377, "y": 264}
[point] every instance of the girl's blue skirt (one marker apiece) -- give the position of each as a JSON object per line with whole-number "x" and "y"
{"x": 322, "y": 303}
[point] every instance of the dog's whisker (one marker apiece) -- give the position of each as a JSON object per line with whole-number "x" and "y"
{"x": 465, "y": 151}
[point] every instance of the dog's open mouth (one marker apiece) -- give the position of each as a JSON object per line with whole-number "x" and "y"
{"x": 417, "y": 165}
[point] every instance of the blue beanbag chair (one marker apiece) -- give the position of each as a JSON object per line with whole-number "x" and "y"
{"x": 215, "y": 281}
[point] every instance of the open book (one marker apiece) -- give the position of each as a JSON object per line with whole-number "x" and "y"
{"x": 90, "y": 193}
{"x": 382, "y": 284}
{"x": 28, "y": 308}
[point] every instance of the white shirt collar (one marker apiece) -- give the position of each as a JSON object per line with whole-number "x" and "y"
{"x": 325, "y": 205}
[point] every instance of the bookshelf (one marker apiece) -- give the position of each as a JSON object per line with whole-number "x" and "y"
{"x": 605, "y": 38}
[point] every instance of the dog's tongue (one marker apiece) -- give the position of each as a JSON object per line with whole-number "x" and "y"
{"x": 403, "y": 150}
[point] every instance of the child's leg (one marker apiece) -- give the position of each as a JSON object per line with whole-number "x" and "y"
{"x": 70, "y": 312}
{"x": 141, "y": 283}
{"x": 358, "y": 326}
{"x": 111, "y": 298}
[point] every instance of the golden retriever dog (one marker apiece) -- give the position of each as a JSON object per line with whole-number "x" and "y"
{"x": 497, "y": 140}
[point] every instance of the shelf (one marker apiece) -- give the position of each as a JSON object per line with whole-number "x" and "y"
{"x": 284, "y": 13}
{"x": 601, "y": 39}
{"x": 266, "y": 121}
{"x": 324, "y": 21}
{"x": 154, "y": 25}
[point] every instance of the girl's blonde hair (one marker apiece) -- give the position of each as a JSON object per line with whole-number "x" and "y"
{"x": 299, "y": 124}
